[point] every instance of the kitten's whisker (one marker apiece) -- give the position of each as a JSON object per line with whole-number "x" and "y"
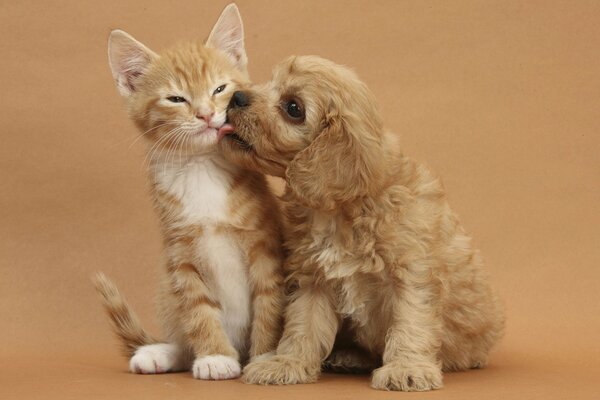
{"x": 150, "y": 154}
{"x": 188, "y": 147}
{"x": 169, "y": 159}
{"x": 177, "y": 147}
{"x": 168, "y": 145}
{"x": 170, "y": 148}
{"x": 148, "y": 131}
{"x": 136, "y": 138}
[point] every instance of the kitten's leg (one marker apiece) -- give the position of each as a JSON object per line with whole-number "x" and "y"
{"x": 215, "y": 356}
{"x": 308, "y": 336}
{"x": 266, "y": 281}
{"x": 158, "y": 359}
{"x": 413, "y": 341}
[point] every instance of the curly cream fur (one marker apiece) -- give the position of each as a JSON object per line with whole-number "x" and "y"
{"x": 375, "y": 249}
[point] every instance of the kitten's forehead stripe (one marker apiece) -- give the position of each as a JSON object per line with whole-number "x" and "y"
{"x": 195, "y": 68}
{"x": 203, "y": 69}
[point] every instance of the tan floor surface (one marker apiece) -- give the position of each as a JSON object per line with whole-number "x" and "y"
{"x": 501, "y": 98}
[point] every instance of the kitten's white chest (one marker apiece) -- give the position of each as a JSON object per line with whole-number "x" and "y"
{"x": 202, "y": 188}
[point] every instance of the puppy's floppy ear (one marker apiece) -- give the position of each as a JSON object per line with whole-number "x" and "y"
{"x": 128, "y": 60}
{"x": 344, "y": 162}
{"x": 228, "y": 36}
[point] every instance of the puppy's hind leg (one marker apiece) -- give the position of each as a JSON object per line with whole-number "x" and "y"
{"x": 412, "y": 342}
{"x": 473, "y": 318}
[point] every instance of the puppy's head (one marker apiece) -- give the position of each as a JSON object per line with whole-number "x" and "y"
{"x": 315, "y": 124}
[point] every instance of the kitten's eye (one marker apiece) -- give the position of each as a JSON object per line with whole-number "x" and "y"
{"x": 294, "y": 110}
{"x": 176, "y": 99}
{"x": 219, "y": 89}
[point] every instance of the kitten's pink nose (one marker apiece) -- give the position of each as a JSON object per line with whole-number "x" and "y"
{"x": 205, "y": 117}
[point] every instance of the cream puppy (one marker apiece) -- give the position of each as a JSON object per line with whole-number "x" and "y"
{"x": 376, "y": 253}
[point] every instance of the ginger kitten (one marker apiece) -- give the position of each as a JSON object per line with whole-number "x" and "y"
{"x": 221, "y": 299}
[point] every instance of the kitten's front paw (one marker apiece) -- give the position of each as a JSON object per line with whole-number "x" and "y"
{"x": 279, "y": 370}
{"x": 419, "y": 378}
{"x": 155, "y": 359}
{"x": 216, "y": 367}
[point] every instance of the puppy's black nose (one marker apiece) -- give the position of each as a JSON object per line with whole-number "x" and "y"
{"x": 239, "y": 99}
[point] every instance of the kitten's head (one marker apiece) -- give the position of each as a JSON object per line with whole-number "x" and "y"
{"x": 179, "y": 98}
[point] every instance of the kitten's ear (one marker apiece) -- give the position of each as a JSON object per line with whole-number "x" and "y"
{"x": 228, "y": 36}
{"x": 128, "y": 60}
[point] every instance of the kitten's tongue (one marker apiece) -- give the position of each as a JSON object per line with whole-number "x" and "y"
{"x": 226, "y": 129}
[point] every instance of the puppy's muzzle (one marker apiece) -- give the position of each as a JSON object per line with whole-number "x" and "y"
{"x": 239, "y": 100}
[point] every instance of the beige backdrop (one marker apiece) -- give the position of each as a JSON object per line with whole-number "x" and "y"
{"x": 501, "y": 98}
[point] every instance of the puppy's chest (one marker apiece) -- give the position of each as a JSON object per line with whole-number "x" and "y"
{"x": 359, "y": 296}
{"x": 339, "y": 248}
{"x": 199, "y": 192}
{"x": 328, "y": 241}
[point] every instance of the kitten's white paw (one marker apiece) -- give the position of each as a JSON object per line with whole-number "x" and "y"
{"x": 155, "y": 359}
{"x": 216, "y": 367}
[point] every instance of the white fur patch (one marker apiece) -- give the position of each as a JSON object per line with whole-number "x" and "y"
{"x": 216, "y": 368}
{"x": 201, "y": 185}
{"x": 156, "y": 359}
{"x": 231, "y": 285}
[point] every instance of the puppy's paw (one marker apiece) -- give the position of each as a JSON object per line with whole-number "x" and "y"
{"x": 416, "y": 378}
{"x": 279, "y": 370}
{"x": 216, "y": 367}
{"x": 155, "y": 359}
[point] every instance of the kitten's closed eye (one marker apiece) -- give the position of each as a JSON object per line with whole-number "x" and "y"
{"x": 219, "y": 89}
{"x": 176, "y": 99}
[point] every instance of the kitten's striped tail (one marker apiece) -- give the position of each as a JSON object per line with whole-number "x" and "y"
{"x": 125, "y": 323}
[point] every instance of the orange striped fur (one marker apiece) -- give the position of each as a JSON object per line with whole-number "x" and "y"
{"x": 221, "y": 300}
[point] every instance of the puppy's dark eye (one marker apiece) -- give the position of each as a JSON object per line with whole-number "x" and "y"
{"x": 219, "y": 89}
{"x": 176, "y": 99}
{"x": 294, "y": 110}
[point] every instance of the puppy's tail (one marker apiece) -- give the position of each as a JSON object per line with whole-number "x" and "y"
{"x": 124, "y": 322}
